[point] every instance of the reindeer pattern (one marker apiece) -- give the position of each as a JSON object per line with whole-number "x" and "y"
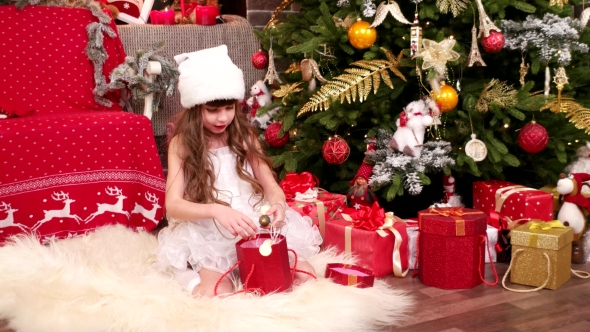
{"x": 8, "y": 213}
{"x": 9, "y": 220}
{"x": 63, "y": 213}
{"x": 105, "y": 207}
{"x": 151, "y": 213}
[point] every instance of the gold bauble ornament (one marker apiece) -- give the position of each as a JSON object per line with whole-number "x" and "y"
{"x": 264, "y": 220}
{"x": 447, "y": 98}
{"x": 361, "y": 36}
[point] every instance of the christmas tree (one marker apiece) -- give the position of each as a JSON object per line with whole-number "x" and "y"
{"x": 528, "y": 62}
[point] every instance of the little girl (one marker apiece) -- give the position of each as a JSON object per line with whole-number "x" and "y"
{"x": 218, "y": 177}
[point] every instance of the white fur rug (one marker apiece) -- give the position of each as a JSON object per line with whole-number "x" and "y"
{"x": 103, "y": 282}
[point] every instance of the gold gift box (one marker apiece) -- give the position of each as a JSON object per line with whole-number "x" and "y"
{"x": 529, "y": 267}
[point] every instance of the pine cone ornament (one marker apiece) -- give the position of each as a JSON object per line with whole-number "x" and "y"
{"x": 335, "y": 150}
{"x": 260, "y": 59}
{"x": 271, "y": 135}
{"x": 533, "y": 137}
{"x": 494, "y": 42}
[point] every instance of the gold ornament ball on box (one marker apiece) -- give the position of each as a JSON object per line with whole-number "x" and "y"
{"x": 361, "y": 36}
{"x": 447, "y": 98}
{"x": 264, "y": 220}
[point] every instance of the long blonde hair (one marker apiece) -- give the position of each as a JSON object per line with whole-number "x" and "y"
{"x": 197, "y": 165}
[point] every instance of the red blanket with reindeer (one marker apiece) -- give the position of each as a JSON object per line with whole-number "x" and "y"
{"x": 69, "y": 164}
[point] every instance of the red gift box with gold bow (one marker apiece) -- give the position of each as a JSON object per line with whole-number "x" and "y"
{"x": 378, "y": 239}
{"x": 350, "y": 275}
{"x": 451, "y": 244}
{"x": 320, "y": 205}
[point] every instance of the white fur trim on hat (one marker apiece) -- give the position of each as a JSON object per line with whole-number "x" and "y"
{"x": 208, "y": 75}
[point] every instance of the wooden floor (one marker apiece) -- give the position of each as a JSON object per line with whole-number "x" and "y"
{"x": 486, "y": 308}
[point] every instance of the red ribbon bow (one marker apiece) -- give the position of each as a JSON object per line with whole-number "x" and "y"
{"x": 501, "y": 222}
{"x": 369, "y": 218}
{"x": 294, "y": 183}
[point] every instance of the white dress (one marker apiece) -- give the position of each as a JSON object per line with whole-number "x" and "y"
{"x": 202, "y": 244}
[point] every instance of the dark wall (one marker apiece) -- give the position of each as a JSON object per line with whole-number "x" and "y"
{"x": 234, "y": 7}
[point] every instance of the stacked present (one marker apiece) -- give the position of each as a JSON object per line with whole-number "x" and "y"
{"x": 451, "y": 246}
{"x": 508, "y": 204}
{"x": 511, "y": 200}
{"x": 303, "y": 197}
{"x": 377, "y": 239}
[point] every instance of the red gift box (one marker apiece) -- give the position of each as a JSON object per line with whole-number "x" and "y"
{"x": 382, "y": 249}
{"x": 513, "y": 201}
{"x": 266, "y": 273}
{"x": 350, "y": 275}
{"x": 451, "y": 247}
{"x": 320, "y": 208}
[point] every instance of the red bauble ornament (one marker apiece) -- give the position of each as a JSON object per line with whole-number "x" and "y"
{"x": 533, "y": 137}
{"x": 494, "y": 42}
{"x": 271, "y": 135}
{"x": 260, "y": 59}
{"x": 335, "y": 150}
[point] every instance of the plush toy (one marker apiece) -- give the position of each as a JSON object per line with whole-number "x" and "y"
{"x": 360, "y": 192}
{"x": 260, "y": 97}
{"x": 450, "y": 197}
{"x": 411, "y": 126}
{"x": 574, "y": 209}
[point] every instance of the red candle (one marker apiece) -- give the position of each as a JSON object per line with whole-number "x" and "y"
{"x": 182, "y": 8}
{"x": 155, "y": 17}
{"x": 206, "y": 15}
{"x": 167, "y": 17}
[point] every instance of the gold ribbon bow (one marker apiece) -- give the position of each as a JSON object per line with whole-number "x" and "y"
{"x": 545, "y": 226}
{"x": 448, "y": 212}
{"x": 455, "y": 213}
{"x": 542, "y": 226}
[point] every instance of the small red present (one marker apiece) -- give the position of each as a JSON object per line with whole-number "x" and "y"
{"x": 513, "y": 201}
{"x": 451, "y": 246}
{"x": 270, "y": 273}
{"x": 350, "y": 275}
{"x": 303, "y": 197}
{"x": 377, "y": 239}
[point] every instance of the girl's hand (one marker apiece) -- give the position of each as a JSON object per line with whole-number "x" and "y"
{"x": 235, "y": 222}
{"x": 278, "y": 213}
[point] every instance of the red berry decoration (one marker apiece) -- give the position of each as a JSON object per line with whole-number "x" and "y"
{"x": 533, "y": 137}
{"x": 271, "y": 135}
{"x": 335, "y": 150}
{"x": 494, "y": 42}
{"x": 260, "y": 59}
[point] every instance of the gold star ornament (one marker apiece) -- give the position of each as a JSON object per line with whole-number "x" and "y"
{"x": 560, "y": 78}
{"x": 436, "y": 55}
{"x": 287, "y": 89}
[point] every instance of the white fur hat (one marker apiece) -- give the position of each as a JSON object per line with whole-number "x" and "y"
{"x": 208, "y": 75}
